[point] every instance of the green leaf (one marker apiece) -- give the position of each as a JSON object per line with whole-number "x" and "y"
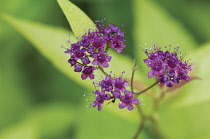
{"x": 46, "y": 39}
{"x": 79, "y": 21}
{"x": 152, "y": 23}
{"x": 196, "y": 91}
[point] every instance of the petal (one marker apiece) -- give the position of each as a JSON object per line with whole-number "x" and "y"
{"x": 122, "y": 98}
{"x": 123, "y": 89}
{"x": 146, "y": 60}
{"x": 91, "y": 76}
{"x": 99, "y": 107}
{"x": 150, "y": 74}
{"x": 129, "y": 93}
{"x": 122, "y": 105}
{"x": 113, "y": 81}
{"x": 125, "y": 83}
{"x": 116, "y": 94}
{"x": 102, "y": 92}
{"x": 119, "y": 50}
{"x": 94, "y": 104}
{"x": 105, "y": 64}
{"x": 135, "y": 101}
{"x": 109, "y": 88}
{"x": 108, "y": 77}
{"x": 95, "y": 62}
{"x": 84, "y": 76}
{"x": 107, "y": 97}
{"x": 108, "y": 59}
{"x": 130, "y": 107}
{"x": 97, "y": 92}
{"x": 123, "y": 46}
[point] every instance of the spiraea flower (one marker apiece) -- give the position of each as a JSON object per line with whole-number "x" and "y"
{"x": 100, "y": 97}
{"x": 127, "y": 100}
{"x": 168, "y": 67}
{"x": 119, "y": 84}
{"x": 88, "y": 72}
{"x": 93, "y": 49}
{"x": 112, "y": 89}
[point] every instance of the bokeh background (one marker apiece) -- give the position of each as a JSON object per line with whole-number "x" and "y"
{"x": 37, "y": 101}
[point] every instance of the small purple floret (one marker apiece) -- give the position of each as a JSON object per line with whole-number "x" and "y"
{"x": 127, "y": 100}
{"x": 101, "y": 59}
{"x": 106, "y": 84}
{"x": 100, "y": 97}
{"x": 88, "y": 72}
{"x": 119, "y": 84}
{"x": 85, "y": 60}
{"x": 116, "y": 94}
{"x": 72, "y": 61}
{"x": 78, "y": 68}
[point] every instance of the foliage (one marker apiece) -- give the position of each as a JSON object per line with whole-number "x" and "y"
{"x": 183, "y": 112}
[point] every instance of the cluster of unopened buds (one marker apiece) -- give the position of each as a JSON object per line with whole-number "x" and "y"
{"x": 91, "y": 52}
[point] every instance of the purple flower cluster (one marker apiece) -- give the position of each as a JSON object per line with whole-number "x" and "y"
{"x": 167, "y": 66}
{"x": 92, "y": 49}
{"x": 114, "y": 88}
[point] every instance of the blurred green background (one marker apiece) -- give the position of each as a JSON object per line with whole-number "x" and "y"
{"x": 37, "y": 101}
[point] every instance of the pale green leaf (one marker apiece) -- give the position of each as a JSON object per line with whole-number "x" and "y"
{"x": 79, "y": 21}
{"x": 152, "y": 23}
{"x": 46, "y": 39}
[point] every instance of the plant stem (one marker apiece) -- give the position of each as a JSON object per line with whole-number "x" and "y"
{"x": 102, "y": 70}
{"x": 141, "y": 125}
{"x": 147, "y": 88}
{"x": 154, "y": 118}
{"x": 132, "y": 77}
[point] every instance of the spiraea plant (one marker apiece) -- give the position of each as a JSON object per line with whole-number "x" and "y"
{"x": 93, "y": 57}
{"x": 92, "y": 52}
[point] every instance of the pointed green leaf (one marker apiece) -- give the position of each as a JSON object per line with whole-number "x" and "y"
{"x": 46, "y": 39}
{"x": 152, "y": 23}
{"x": 79, "y": 21}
